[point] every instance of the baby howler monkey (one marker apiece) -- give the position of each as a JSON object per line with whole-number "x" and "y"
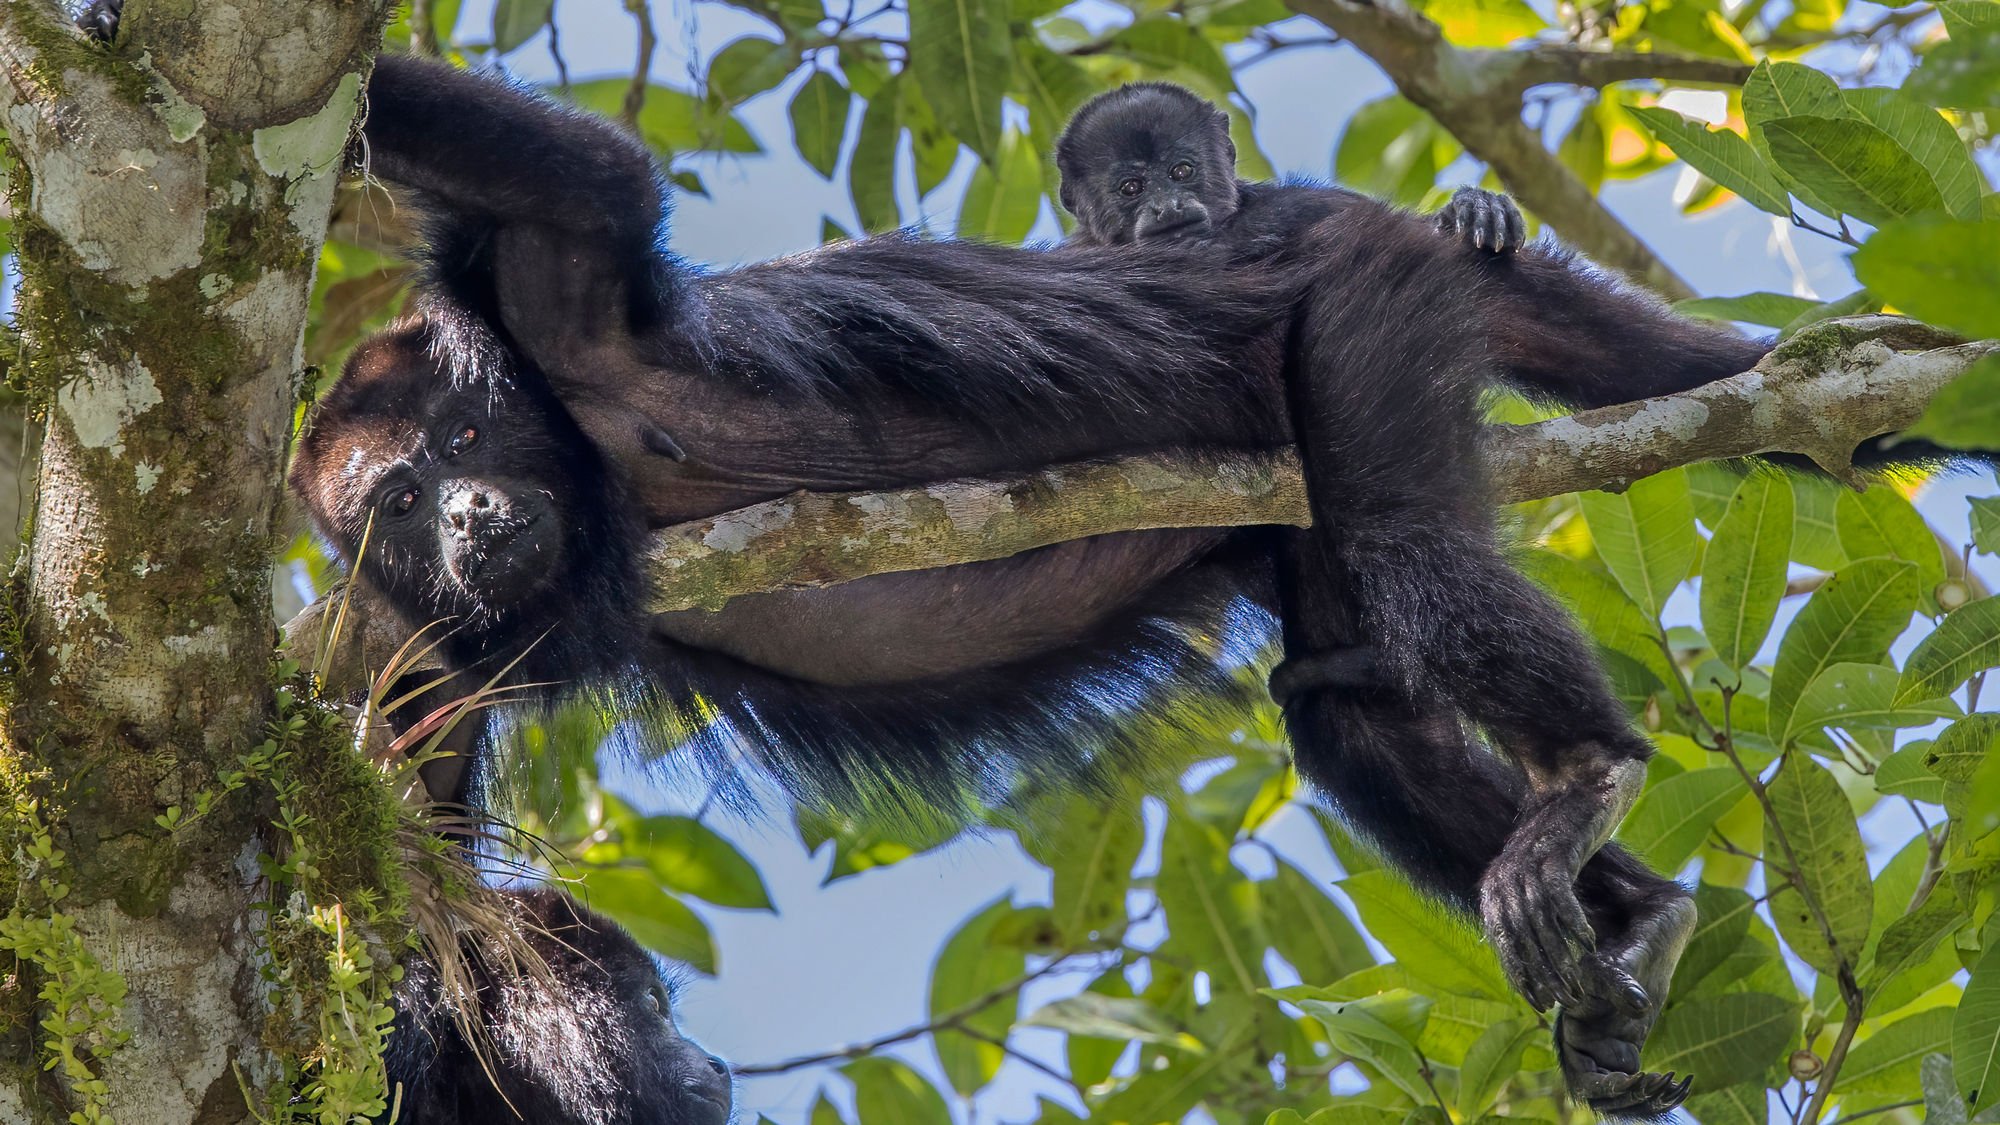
{"x": 1154, "y": 161}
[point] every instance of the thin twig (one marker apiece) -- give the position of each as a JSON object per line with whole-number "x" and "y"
{"x": 642, "y": 70}
{"x": 556, "y": 55}
{"x": 1850, "y": 991}
{"x": 1013, "y": 1053}
{"x": 1872, "y": 1111}
{"x": 953, "y": 1020}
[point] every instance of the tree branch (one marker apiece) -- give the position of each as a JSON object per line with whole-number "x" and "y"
{"x": 1820, "y": 395}
{"x": 1513, "y": 73}
{"x": 1476, "y": 96}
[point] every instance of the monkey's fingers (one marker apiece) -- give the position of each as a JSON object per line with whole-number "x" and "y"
{"x": 1537, "y": 927}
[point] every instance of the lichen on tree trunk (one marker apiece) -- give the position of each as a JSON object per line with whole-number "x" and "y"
{"x": 173, "y": 196}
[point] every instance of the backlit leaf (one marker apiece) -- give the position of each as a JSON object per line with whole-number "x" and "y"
{"x": 1743, "y": 572}
{"x": 1854, "y": 166}
{"x": 1819, "y": 826}
{"x": 1849, "y": 620}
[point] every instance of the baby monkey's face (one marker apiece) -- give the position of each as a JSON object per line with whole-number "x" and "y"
{"x": 1146, "y": 163}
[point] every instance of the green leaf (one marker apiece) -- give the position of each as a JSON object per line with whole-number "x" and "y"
{"x": 1741, "y": 1104}
{"x": 1986, "y": 524}
{"x": 1885, "y": 1064}
{"x": 1430, "y": 944}
{"x": 1819, "y": 824}
{"x": 516, "y": 21}
{"x": 1671, "y": 819}
{"x": 961, "y": 52}
{"x": 690, "y": 857}
{"x": 1961, "y": 16}
{"x": 1483, "y": 23}
{"x": 1975, "y": 1035}
{"x": 1909, "y": 942}
{"x": 819, "y": 121}
{"x": 672, "y": 121}
{"x": 824, "y": 1112}
{"x": 1723, "y": 1039}
{"x": 1390, "y": 148}
{"x": 1963, "y": 71}
{"x": 1089, "y": 845}
{"x": 1722, "y": 921}
{"x": 1645, "y": 535}
{"x": 1743, "y": 573}
{"x": 1879, "y": 523}
{"x": 1967, "y": 641}
{"x": 1789, "y": 89}
{"x": 1966, "y": 413}
{"x": 887, "y": 1092}
{"x": 1849, "y": 620}
{"x": 933, "y": 149}
{"x": 1178, "y": 47}
{"x": 1902, "y": 774}
{"x": 1097, "y": 1016}
{"x": 1490, "y": 1063}
{"x": 1720, "y": 154}
{"x": 1003, "y": 201}
{"x": 1939, "y": 269}
{"x": 1309, "y": 930}
{"x": 971, "y": 965}
{"x": 1930, "y": 140}
{"x": 748, "y": 66}
{"x": 1856, "y": 697}
{"x": 631, "y": 897}
{"x": 1052, "y": 86}
{"x": 1773, "y": 310}
{"x": 1854, "y": 166}
{"x": 871, "y": 170}
{"x": 1603, "y": 610}
{"x": 1212, "y": 910}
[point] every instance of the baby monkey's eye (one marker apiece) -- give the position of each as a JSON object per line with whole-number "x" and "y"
{"x": 399, "y": 502}
{"x": 461, "y": 441}
{"x": 1130, "y": 187}
{"x": 1181, "y": 171}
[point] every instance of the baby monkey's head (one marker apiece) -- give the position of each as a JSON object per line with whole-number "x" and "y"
{"x": 1147, "y": 161}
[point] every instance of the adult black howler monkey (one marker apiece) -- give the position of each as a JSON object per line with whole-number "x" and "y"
{"x": 584, "y": 1037}
{"x": 566, "y": 385}
{"x": 1152, "y": 160}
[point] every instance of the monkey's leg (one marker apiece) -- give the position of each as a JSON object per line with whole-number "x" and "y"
{"x": 1384, "y": 394}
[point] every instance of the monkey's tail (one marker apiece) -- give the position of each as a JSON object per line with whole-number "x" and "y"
{"x": 1565, "y": 331}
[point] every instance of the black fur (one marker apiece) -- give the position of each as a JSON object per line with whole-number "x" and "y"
{"x": 1362, "y": 337}
{"x": 585, "y": 1038}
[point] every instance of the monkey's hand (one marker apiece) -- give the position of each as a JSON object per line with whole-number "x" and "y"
{"x": 99, "y": 19}
{"x": 1487, "y": 219}
{"x": 1624, "y": 985}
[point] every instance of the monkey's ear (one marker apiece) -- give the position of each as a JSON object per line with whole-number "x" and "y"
{"x": 1228, "y": 146}
{"x": 1067, "y": 195}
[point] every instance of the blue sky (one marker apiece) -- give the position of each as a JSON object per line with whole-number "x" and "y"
{"x": 851, "y": 962}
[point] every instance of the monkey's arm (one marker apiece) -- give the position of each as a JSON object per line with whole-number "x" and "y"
{"x": 499, "y": 153}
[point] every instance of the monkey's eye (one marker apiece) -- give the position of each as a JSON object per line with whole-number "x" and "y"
{"x": 399, "y": 501}
{"x": 1130, "y": 188}
{"x": 1181, "y": 171}
{"x": 656, "y": 998}
{"x": 461, "y": 441}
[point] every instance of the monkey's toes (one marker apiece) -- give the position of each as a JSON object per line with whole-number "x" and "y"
{"x": 1645, "y": 1094}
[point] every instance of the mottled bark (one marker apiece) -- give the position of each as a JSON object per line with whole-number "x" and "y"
{"x": 174, "y": 193}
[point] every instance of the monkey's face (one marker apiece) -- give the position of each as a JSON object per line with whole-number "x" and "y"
{"x": 1148, "y": 162}
{"x": 449, "y": 497}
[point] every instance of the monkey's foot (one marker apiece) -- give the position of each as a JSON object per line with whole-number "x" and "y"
{"x": 99, "y": 19}
{"x": 1529, "y": 908}
{"x": 1489, "y": 220}
{"x": 1625, "y": 986}
{"x": 1349, "y": 668}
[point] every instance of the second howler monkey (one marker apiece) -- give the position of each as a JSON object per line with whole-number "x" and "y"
{"x": 573, "y": 1027}
{"x": 1151, "y": 160}
{"x": 501, "y": 452}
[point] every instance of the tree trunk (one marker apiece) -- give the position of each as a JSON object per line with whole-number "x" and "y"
{"x": 172, "y": 195}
